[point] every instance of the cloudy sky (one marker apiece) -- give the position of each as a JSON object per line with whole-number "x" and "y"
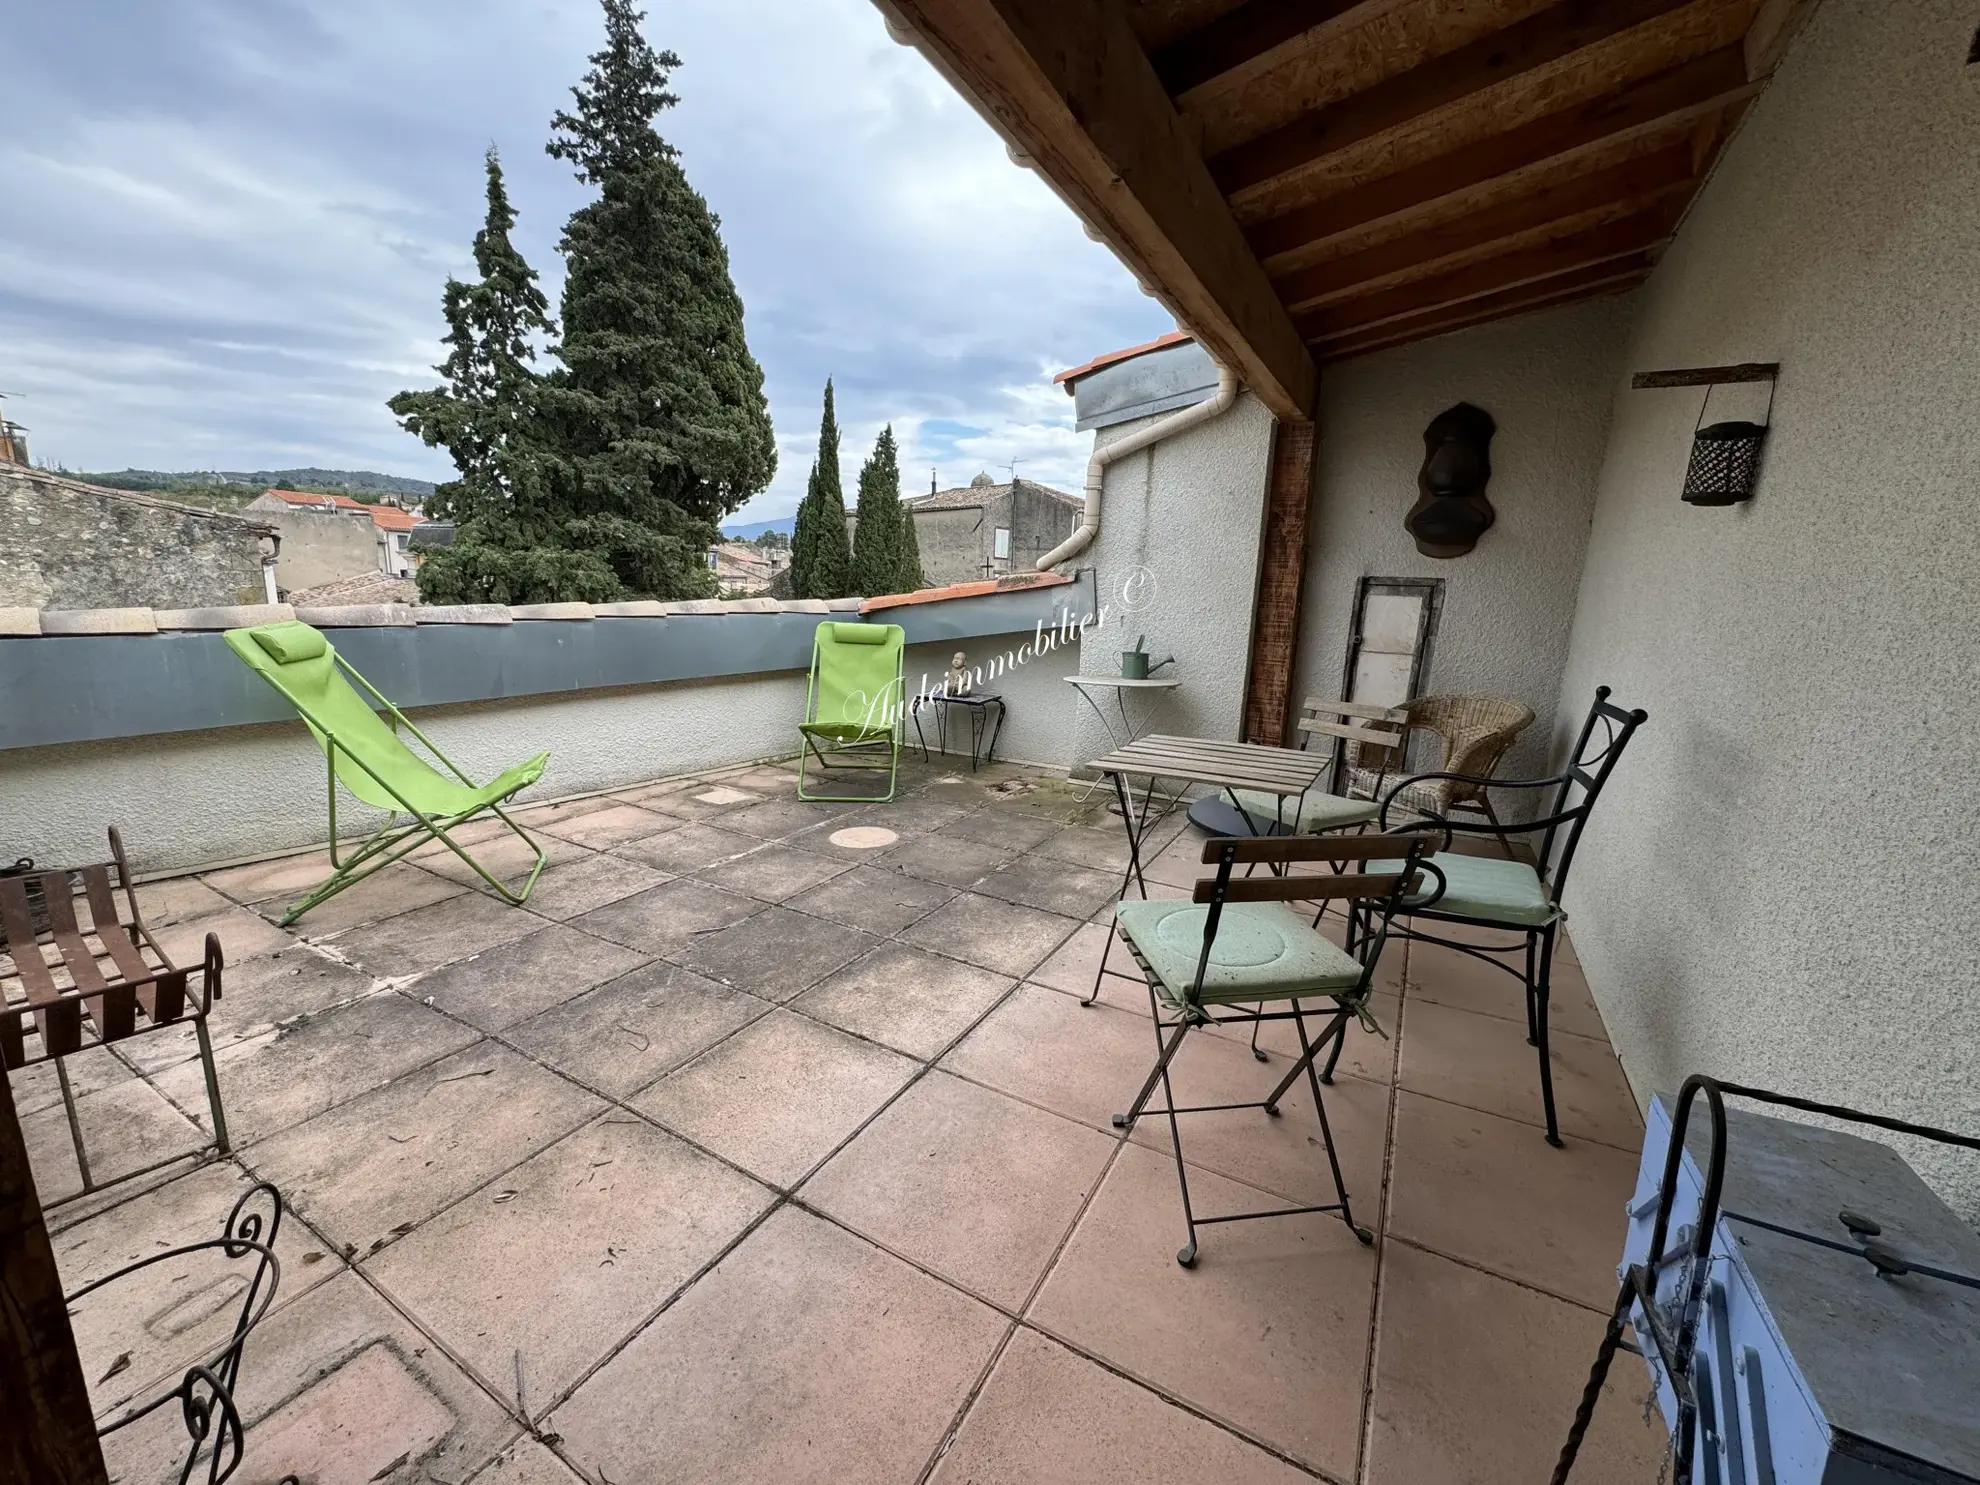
{"x": 224, "y": 225}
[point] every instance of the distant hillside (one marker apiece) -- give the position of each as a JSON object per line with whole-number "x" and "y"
{"x": 230, "y": 489}
{"x": 750, "y": 530}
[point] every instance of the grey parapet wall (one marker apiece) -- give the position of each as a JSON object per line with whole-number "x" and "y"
{"x": 72, "y": 687}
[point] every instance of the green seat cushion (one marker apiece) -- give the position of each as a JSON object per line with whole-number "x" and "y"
{"x": 1490, "y": 889}
{"x": 1316, "y": 811}
{"x": 1263, "y": 951}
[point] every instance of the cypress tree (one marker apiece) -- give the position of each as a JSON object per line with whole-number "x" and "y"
{"x": 909, "y": 575}
{"x": 821, "y": 559}
{"x": 484, "y": 415}
{"x": 876, "y": 560}
{"x": 658, "y": 417}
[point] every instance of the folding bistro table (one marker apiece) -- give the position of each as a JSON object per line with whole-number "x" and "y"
{"x": 1230, "y": 766}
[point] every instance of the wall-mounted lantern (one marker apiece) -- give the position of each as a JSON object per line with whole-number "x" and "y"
{"x": 1451, "y": 511}
{"x": 1724, "y": 468}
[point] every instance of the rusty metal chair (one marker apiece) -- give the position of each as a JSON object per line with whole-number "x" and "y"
{"x": 76, "y": 972}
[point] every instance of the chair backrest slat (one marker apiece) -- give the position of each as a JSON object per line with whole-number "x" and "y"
{"x": 1246, "y": 849}
{"x": 1310, "y": 888}
{"x": 1588, "y": 768}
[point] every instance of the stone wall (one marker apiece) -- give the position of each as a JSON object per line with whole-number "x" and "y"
{"x": 320, "y": 546}
{"x": 67, "y": 545}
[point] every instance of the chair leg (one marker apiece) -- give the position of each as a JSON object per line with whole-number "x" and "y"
{"x": 75, "y": 1123}
{"x": 1540, "y": 993}
{"x": 1113, "y": 930}
{"x": 1532, "y": 1023}
{"x": 221, "y": 1143}
{"x": 1164, "y": 1052}
{"x": 1326, "y": 1131}
{"x": 1186, "y": 1255}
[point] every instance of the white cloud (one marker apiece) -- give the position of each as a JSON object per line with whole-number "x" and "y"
{"x": 229, "y": 221}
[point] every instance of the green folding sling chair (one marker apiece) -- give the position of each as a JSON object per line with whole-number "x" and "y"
{"x": 368, "y": 756}
{"x": 852, "y": 709}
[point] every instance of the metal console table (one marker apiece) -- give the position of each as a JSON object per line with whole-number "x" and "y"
{"x": 979, "y": 723}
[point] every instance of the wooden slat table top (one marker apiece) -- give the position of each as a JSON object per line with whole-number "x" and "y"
{"x": 1200, "y": 760}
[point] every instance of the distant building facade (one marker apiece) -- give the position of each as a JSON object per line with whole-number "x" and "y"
{"x": 71, "y": 545}
{"x": 328, "y": 538}
{"x": 984, "y": 529}
{"x": 743, "y": 569}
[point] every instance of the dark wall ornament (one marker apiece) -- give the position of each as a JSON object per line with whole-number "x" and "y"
{"x": 1451, "y": 511}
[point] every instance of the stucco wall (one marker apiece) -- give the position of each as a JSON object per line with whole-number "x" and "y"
{"x": 1548, "y": 382}
{"x": 66, "y": 545}
{"x": 319, "y": 546}
{"x": 1177, "y": 558}
{"x": 1779, "y": 884}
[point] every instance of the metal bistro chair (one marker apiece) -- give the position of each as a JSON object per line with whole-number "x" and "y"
{"x": 80, "y": 986}
{"x": 1239, "y": 947}
{"x": 1514, "y": 895}
{"x": 1365, "y": 739}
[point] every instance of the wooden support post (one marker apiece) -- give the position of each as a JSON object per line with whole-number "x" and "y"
{"x": 1268, "y": 692}
{"x": 47, "y": 1436}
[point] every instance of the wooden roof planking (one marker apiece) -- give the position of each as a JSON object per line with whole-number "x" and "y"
{"x": 1302, "y": 181}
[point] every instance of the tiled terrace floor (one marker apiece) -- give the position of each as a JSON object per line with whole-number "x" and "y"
{"x": 740, "y": 1155}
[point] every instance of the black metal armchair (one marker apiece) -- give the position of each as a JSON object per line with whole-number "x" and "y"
{"x": 1521, "y": 897}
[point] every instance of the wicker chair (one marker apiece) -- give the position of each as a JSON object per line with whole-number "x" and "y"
{"x": 1474, "y": 731}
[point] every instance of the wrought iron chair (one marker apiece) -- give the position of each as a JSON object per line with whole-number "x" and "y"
{"x": 1239, "y": 947}
{"x": 1517, "y": 896}
{"x": 205, "y": 1392}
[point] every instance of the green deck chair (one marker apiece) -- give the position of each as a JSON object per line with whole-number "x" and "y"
{"x": 368, "y": 757}
{"x": 852, "y": 709}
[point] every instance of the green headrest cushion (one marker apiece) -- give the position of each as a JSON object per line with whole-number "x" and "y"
{"x": 290, "y": 641}
{"x": 860, "y": 634}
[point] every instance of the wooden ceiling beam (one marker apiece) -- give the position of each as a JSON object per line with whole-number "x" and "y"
{"x": 1542, "y": 40}
{"x": 1774, "y": 27}
{"x": 1580, "y": 283}
{"x": 1070, "y": 86}
{"x": 1638, "y": 182}
{"x": 1666, "y": 99}
{"x": 1623, "y": 238}
{"x": 1248, "y": 32}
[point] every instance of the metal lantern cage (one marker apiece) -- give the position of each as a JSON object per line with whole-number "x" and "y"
{"x": 1724, "y": 468}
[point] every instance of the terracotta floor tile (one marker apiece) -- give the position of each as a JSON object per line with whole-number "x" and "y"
{"x": 568, "y": 888}
{"x": 395, "y": 1156}
{"x": 874, "y": 898}
{"x": 242, "y": 934}
{"x": 504, "y": 855}
{"x": 947, "y": 859}
{"x": 1476, "y": 1381}
{"x": 998, "y": 935}
{"x": 172, "y": 1314}
{"x": 388, "y": 892}
{"x": 1042, "y": 1046}
{"x": 898, "y": 996}
{"x": 126, "y": 1127}
{"x": 773, "y": 872}
{"x": 1483, "y": 1062}
{"x": 1477, "y": 1187}
{"x": 688, "y": 848}
{"x": 778, "y": 1095}
{"x": 1366, "y": 1055}
{"x": 514, "y": 981}
{"x": 668, "y": 918}
{"x": 273, "y": 1082}
{"x": 1268, "y": 1333}
{"x": 1283, "y": 1155}
{"x": 806, "y": 1357}
{"x": 1451, "y": 977}
{"x": 38, "y": 1087}
{"x": 621, "y": 1036}
{"x": 776, "y": 954}
{"x": 612, "y": 826}
{"x": 1073, "y": 966}
{"x": 1053, "y": 886}
{"x": 1096, "y": 848}
{"x": 336, "y": 1387}
{"x": 565, "y": 1256}
{"x": 972, "y": 1185}
{"x": 1048, "y": 1416}
{"x": 432, "y": 936}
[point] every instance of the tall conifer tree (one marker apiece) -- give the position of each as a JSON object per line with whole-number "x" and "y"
{"x": 876, "y": 561}
{"x": 659, "y": 413}
{"x": 821, "y": 558}
{"x": 485, "y": 415}
{"x": 909, "y": 575}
